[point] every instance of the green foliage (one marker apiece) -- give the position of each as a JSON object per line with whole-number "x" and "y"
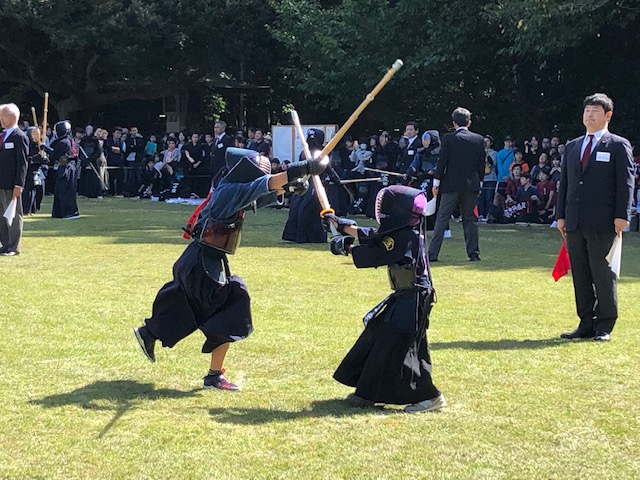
{"x": 519, "y": 66}
{"x": 104, "y": 52}
{"x": 78, "y": 400}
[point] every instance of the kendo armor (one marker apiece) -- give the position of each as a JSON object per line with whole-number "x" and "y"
{"x": 62, "y": 128}
{"x": 315, "y": 138}
{"x": 243, "y": 165}
{"x": 398, "y": 206}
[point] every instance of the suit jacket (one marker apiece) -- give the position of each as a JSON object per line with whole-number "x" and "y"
{"x": 461, "y": 164}
{"x": 408, "y": 154}
{"x": 218, "y": 153}
{"x": 13, "y": 160}
{"x": 592, "y": 199}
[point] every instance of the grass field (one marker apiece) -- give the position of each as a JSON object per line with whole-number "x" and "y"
{"x": 79, "y": 400}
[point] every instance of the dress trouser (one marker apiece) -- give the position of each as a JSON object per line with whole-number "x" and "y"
{"x": 448, "y": 202}
{"x": 10, "y": 235}
{"x": 594, "y": 283}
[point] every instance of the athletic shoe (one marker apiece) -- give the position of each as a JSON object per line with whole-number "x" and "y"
{"x": 356, "y": 401}
{"x": 147, "y": 342}
{"x": 554, "y": 224}
{"x": 447, "y": 234}
{"x": 219, "y": 382}
{"x": 427, "y": 405}
{"x": 72, "y": 217}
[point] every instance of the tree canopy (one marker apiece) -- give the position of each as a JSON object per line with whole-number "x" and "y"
{"x": 520, "y": 66}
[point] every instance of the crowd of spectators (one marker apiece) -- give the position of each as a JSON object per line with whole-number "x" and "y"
{"x": 520, "y": 182}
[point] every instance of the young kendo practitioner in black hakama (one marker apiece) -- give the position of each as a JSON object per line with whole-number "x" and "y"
{"x": 64, "y": 151}
{"x": 390, "y": 362}
{"x": 304, "y": 224}
{"x": 203, "y": 294}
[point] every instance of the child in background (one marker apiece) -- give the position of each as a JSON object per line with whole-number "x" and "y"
{"x": 556, "y": 169}
{"x": 547, "y": 189}
{"x": 151, "y": 148}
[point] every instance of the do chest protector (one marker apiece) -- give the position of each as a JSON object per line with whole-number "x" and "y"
{"x": 224, "y": 237}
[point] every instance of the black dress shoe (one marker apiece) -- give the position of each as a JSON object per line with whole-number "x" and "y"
{"x": 474, "y": 258}
{"x": 577, "y": 333}
{"x": 602, "y": 337}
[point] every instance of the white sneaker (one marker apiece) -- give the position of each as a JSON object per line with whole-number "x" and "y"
{"x": 554, "y": 224}
{"x": 427, "y": 405}
{"x": 447, "y": 234}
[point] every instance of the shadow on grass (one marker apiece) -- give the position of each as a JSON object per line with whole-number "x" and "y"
{"x": 504, "y": 344}
{"x": 322, "y": 408}
{"x": 118, "y": 395}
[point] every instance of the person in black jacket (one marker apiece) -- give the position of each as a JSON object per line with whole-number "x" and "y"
{"x": 14, "y": 147}
{"x": 596, "y": 191}
{"x": 457, "y": 178}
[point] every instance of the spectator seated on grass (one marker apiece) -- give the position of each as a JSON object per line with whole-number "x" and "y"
{"x": 547, "y": 189}
{"x": 556, "y": 168}
{"x": 526, "y": 203}
{"x": 504, "y": 199}
{"x": 542, "y": 165}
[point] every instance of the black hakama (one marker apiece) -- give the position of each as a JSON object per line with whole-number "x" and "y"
{"x": 390, "y": 361}
{"x": 65, "y": 203}
{"x": 304, "y": 224}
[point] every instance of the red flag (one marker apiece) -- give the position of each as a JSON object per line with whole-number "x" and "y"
{"x": 563, "y": 265}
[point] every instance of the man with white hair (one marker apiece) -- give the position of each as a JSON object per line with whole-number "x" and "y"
{"x": 14, "y": 147}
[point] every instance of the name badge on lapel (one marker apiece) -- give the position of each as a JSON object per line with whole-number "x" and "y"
{"x": 410, "y": 152}
{"x": 220, "y": 145}
{"x": 9, "y": 145}
{"x": 603, "y": 156}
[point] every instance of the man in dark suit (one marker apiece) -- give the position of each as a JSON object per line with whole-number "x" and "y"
{"x": 458, "y": 176}
{"x": 596, "y": 190}
{"x": 219, "y": 149}
{"x": 14, "y": 147}
{"x": 406, "y": 156}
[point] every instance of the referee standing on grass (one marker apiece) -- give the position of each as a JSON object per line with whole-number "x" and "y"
{"x": 596, "y": 190}
{"x": 458, "y": 176}
{"x": 14, "y": 147}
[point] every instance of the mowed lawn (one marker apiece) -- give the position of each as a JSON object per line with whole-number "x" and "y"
{"x": 79, "y": 400}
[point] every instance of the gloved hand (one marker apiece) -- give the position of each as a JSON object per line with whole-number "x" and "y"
{"x": 342, "y": 245}
{"x": 341, "y": 222}
{"x": 297, "y": 187}
{"x": 306, "y": 167}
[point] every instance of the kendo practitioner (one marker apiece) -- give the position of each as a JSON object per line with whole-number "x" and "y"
{"x": 33, "y": 187}
{"x": 64, "y": 151}
{"x": 92, "y": 185}
{"x": 390, "y": 362}
{"x": 304, "y": 224}
{"x": 204, "y": 294}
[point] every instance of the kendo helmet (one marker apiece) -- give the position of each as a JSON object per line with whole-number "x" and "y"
{"x": 315, "y": 138}
{"x": 244, "y": 165}
{"x": 62, "y": 128}
{"x": 398, "y": 206}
